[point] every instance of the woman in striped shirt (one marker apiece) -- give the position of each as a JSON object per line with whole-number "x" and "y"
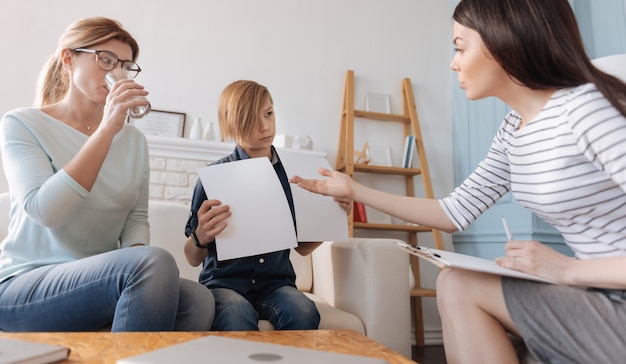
{"x": 562, "y": 153}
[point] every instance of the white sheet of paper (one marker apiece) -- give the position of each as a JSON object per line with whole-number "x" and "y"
{"x": 319, "y": 218}
{"x": 261, "y": 219}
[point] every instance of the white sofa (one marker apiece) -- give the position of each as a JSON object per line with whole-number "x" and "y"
{"x": 360, "y": 284}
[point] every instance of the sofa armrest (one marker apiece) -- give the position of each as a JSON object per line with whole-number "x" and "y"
{"x": 368, "y": 277}
{"x": 167, "y": 231}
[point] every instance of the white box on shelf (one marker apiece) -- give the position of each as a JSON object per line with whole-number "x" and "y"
{"x": 283, "y": 141}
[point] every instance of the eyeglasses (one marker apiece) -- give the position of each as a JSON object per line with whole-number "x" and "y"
{"x": 107, "y": 61}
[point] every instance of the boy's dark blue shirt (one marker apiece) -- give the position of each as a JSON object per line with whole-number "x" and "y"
{"x": 248, "y": 275}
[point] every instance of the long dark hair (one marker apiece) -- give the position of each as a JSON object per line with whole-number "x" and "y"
{"x": 538, "y": 43}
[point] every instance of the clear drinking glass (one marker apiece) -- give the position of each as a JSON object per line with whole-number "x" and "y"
{"x": 136, "y": 112}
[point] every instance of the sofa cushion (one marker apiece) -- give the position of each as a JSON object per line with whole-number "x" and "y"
{"x": 167, "y": 222}
{"x": 167, "y": 226}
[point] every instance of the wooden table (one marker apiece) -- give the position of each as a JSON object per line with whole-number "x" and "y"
{"x": 106, "y": 347}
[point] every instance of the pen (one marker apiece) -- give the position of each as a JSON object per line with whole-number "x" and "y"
{"x": 509, "y": 236}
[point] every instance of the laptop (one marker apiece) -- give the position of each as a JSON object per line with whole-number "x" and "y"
{"x": 19, "y": 351}
{"x": 224, "y": 350}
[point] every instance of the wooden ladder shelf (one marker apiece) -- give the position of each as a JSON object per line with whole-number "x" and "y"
{"x": 346, "y": 164}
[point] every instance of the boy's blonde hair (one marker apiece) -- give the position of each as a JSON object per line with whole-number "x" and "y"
{"x": 238, "y": 109}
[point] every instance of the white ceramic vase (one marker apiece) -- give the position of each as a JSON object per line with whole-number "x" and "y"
{"x": 196, "y": 131}
{"x": 209, "y": 132}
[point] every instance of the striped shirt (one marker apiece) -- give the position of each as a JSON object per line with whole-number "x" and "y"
{"x": 568, "y": 166}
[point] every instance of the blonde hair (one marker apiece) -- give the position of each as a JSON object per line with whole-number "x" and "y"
{"x": 238, "y": 109}
{"x": 53, "y": 80}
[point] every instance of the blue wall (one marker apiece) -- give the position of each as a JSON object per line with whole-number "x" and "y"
{"x": 603, "y": 26}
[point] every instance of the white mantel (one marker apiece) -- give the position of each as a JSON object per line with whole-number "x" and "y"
{"x": 184, "y": 148}
{"x": 196, "y": 149}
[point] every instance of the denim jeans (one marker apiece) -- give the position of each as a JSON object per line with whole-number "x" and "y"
{"x": 131, "y": 289}
{"x": 286, "y": 308}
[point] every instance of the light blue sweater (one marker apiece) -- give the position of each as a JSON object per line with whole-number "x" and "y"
{"x": 53, "y": 218}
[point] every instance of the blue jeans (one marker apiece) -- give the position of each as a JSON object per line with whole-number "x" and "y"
{"x": 131, "y": 289}
{"x": 286, "y": 308}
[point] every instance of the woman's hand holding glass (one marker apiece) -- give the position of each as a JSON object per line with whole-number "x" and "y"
{"x": 138, "y": 104}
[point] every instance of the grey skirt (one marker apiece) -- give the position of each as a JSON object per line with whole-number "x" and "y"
{"x": 561, "y": 324}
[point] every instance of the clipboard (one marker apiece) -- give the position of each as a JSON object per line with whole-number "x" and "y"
{"x": 444, "y": 258}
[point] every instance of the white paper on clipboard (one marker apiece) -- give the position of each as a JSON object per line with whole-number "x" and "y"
{"x": 444, "y": 258}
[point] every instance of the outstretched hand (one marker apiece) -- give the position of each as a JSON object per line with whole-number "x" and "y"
{"x": 338, "y": 184}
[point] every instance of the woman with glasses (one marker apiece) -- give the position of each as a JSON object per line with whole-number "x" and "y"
{"x": 76, "y": 257}
{"x": 561, "y": 153}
